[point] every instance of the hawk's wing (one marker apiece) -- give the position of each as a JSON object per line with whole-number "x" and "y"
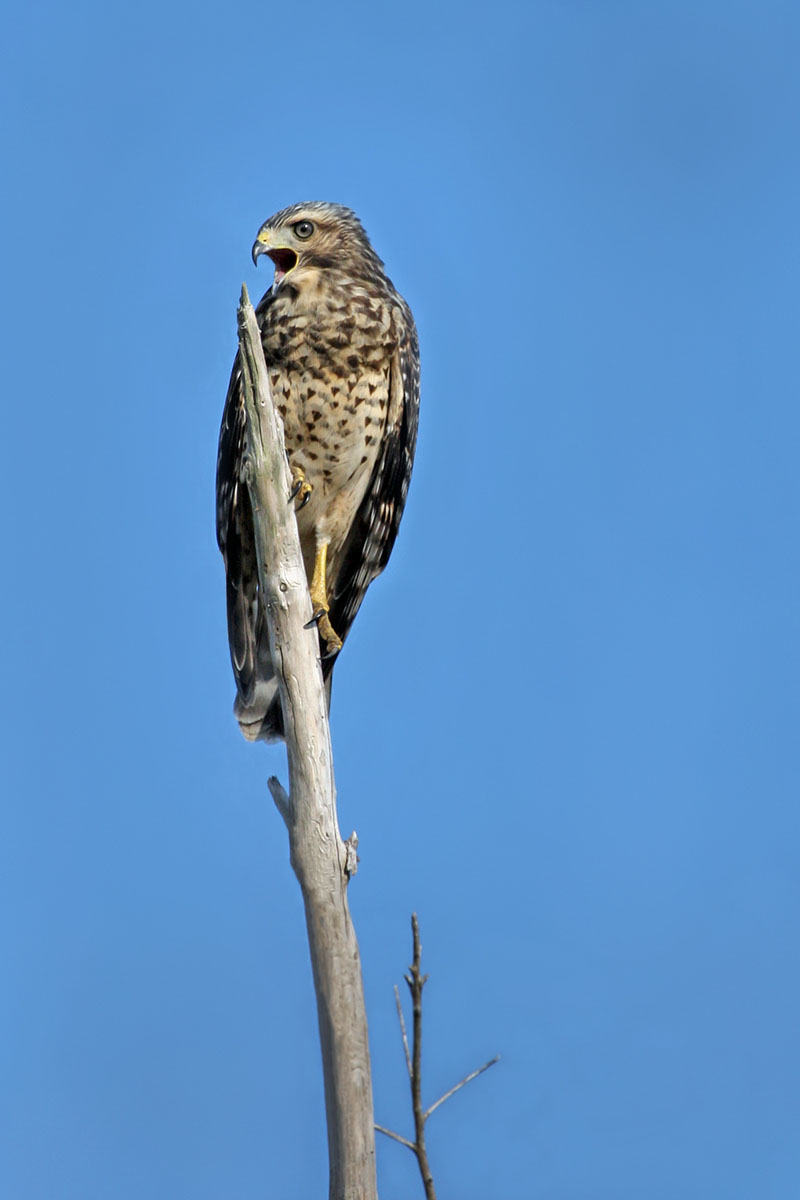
{"x": 374, "y": 529}
{"x": 247, "y": 634}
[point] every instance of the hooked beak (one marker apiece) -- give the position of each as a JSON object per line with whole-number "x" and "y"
{"x": 259, "y": 248}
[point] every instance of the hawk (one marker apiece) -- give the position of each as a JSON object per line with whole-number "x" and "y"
{"x": 343, "y": 361}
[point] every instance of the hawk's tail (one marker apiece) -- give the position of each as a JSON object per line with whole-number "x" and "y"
{"x": 262, "y": 719}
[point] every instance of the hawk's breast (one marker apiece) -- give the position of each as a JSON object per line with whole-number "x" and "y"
{"x": 329, "y": 352}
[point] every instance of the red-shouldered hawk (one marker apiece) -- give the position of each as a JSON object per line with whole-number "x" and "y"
{"x": 341, "y": 350}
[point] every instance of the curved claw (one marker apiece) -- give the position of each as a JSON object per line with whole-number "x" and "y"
{"x": 300, "y": 487}
{"x": 315, "y": 619}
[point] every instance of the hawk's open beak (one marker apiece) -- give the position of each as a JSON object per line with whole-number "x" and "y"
{"x": 284, "y": 258}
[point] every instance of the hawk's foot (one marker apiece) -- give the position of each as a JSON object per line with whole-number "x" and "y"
{"x": 300, "y": 487}
{"x": 333, "y": 643}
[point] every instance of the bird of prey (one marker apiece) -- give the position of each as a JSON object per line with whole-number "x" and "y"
{"x": 343, "y": 361}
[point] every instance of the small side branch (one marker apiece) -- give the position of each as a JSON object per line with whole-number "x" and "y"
{"x": 281, "y": 799}
{"x": 397, "y": 1137}
{"x": 467, "y": 1079}
{"x": 416, "y": 982}
{"x": 402, "y": 1021}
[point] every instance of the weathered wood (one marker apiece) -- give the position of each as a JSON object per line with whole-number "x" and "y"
{"x": 322, "y": 861}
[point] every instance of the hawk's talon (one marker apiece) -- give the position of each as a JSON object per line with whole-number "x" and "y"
{"x": 300, "y": 487}
{"x": 327, "y": 634}
{"x": 333, "y": 643}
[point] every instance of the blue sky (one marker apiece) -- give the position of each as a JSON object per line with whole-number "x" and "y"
{"x": 565, "y": 723}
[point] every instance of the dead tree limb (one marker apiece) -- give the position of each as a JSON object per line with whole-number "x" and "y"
{"x": 322, "y": 861}
{"x": 416, "y": 982}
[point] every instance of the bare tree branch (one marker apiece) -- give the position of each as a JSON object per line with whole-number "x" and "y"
{"x": 322, "y": 862}
{"x": 403, "y": 1141}
{"x": 467, "y": 1079}
{"x": 279, "y": 796}
{"x": 402, "y": 1021}
{"x": 416, "y": 982}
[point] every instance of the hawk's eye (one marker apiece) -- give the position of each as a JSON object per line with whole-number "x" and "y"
{"x": 304, "y": 229}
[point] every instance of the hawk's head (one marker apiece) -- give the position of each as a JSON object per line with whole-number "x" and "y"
{"x": 318, "y": 235}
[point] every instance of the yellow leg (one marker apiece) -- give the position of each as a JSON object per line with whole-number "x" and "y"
{"x": 319, "y": 601}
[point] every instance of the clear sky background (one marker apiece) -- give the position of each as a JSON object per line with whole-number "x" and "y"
{"x": 566, "y": 722}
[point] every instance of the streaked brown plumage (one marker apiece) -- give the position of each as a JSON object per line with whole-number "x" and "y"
{"x": 341, "y": 350}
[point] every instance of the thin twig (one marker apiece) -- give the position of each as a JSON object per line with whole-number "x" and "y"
{"x": 403, "y": 1141}
{"x": 416, "y": 982}
{"x": 401, "y": 1019}
{"x": 465, "y": 1080}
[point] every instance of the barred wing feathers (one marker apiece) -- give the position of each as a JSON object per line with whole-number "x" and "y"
{"x": 377, "y": 521}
